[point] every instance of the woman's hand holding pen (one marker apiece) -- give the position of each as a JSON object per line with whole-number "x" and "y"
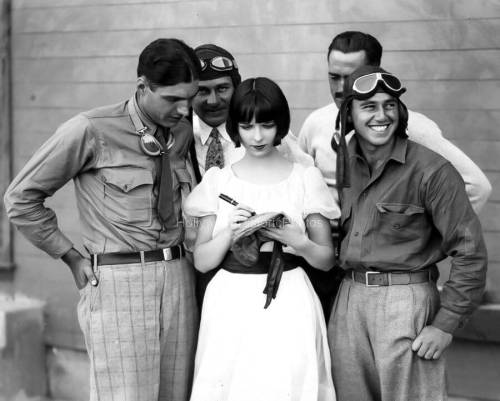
{"x": 238, "y": 215}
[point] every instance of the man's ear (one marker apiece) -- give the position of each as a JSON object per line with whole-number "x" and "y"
{"x": 141, "y": 84}
{"x": 349, "y": 118}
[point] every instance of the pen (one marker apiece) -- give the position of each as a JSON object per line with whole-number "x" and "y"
{"x": 231, "y": 201}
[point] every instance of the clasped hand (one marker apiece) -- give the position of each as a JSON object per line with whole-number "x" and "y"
{"x": 431, "y": 342}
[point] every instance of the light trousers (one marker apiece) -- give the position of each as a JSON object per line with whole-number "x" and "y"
{"x": 370, "y": 334}
{"x": 140, "y": 326}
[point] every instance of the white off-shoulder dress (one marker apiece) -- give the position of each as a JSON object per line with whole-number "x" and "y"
{"x": 246, "y": 352}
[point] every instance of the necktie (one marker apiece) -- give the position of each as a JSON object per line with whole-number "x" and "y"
{"x": 215, "y": 155}
{"x": 165, "y": 198}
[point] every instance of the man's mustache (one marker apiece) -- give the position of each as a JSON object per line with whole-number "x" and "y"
{"x": 339, "y": 95}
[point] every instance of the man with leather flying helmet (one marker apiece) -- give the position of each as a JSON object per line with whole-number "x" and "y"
{"x": 404, "y": 208}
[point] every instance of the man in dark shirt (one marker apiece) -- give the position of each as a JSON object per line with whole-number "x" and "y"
{"x": 137, "y": 308}
{"x": 404, "y": 208}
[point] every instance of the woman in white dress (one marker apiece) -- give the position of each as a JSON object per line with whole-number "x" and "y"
{"x": 247, "y": 352}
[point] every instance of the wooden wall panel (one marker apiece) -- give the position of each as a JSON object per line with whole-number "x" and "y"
{"x": 433, "y": 65}
{"x": 6, "y": 254}
{"x": 421, "y": 94}
{"x": 484, "y": 153}
{"x": 489, "y": 217}
{"x": 492, "y": 294}
{"x": 30, "y": 4}
{"x": 432, "y": 35}
{"x": 492, "y": 240}
{"x": 494, "y": 177}
{"x": 226, "y": 13}
{"x": 70, "y": 55}
{"x": 467, "y": 125}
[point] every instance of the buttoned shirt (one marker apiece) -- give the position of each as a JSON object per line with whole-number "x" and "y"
{"x": 202, "y": 140}
{"x": 116, "y": 185}
{"x": 409, "y": 214}
{"x": 316, "y": 135}
{"x": 289, "y": 147}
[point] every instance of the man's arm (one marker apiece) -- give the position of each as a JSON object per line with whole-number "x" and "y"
{"x": 426, "y": 132}
{"x": 462, "y": 239}
{"x": 303, "y": 139}
{"x": 291, "y": 150}
{"x": 68, "y": 152}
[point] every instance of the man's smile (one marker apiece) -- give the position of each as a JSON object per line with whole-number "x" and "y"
{"x": 379, "y": 127}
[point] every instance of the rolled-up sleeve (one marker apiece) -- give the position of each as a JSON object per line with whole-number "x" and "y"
{"x": 462, "y": 240}
{"x": 69, "y": 152}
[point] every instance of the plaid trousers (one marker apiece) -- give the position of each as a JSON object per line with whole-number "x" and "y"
{"x": 140, "y": 325}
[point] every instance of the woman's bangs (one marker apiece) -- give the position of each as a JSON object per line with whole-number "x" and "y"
{"x": 255, "y": 105}
{"x": 246, "y": 110}
{"x": 264, "y": 110}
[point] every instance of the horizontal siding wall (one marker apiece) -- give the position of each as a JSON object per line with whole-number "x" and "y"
{"x": 71, "y": 55}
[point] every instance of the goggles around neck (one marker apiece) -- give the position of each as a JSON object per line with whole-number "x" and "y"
{"x": 147, "y": 142}
{"x": 367, "y": 84}
{"x": 219, "y": 63}
{"x": 152, "y": 146}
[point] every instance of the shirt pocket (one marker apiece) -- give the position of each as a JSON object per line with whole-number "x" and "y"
{"x": 128, "y": 194}
{"x": 401, "y": 221}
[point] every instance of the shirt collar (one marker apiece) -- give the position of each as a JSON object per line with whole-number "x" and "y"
{"x": 143, "y": 117}
{"x": 203, "y": 130}
{"x": 398, "y": 151}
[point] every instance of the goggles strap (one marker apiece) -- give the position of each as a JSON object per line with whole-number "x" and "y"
{"x": 134, "y": 116}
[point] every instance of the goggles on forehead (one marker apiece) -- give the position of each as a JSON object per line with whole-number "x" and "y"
{"x": 152, "y": 146}
{"x": 219, "y": 63}
{"x": 366, "y": 84}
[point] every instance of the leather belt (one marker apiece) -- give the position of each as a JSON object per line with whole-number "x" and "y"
{"x": 379, "y": 279}
{"x": 123, "y": 258}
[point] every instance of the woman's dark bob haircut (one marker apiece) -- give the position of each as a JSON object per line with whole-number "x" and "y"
{"x": 260, "y": 98}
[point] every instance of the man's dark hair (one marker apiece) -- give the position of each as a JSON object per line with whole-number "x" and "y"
{"x": 355, "y": 41}
{"x": 260, "y": 98}
{"x": 166, "y": 62}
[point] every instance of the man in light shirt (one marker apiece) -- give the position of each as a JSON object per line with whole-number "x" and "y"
{"x": 348, "y": 51}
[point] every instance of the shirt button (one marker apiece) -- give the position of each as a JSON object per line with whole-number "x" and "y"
{"x": 356, "y": 233}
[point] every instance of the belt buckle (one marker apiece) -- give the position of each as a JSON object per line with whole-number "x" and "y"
{"x": 367, "y": 274}
{"x": 167, "y": 254}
